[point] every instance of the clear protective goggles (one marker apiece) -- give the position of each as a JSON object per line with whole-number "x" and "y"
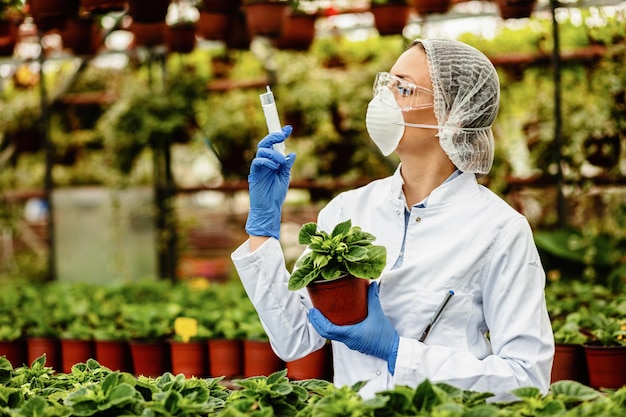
{"x": 407, "y": 95}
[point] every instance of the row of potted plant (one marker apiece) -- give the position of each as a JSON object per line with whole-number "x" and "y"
{"x": 146, "y": 328}
{"x": 589, "y": 323}
{"x": 93, "y": 390}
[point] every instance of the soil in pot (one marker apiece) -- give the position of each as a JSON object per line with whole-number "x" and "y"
{"x": 343, "y": 300}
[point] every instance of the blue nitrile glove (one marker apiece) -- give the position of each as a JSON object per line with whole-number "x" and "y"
{"x": 268, "y": 183}
{"x": 373, "y": 336}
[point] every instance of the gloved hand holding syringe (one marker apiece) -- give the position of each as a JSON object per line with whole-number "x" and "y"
{"x": 271, "y": 117}
{"x": 270, "y": 170}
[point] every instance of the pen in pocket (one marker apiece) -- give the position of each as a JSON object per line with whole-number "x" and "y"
{"x": 435, "y": 317}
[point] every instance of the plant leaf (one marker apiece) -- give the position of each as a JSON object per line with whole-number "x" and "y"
{"x": 302, "y": 277}
{"x": 342, "y": 228}
{"x": 307, "y": 230}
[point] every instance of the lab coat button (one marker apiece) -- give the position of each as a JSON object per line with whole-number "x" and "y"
{"x": 398, "y": 212}
{"x": 378, "y": 372}
{"x": 418, "y": 219}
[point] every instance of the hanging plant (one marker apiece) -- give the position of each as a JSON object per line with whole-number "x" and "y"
{"x": 516, "y": 9}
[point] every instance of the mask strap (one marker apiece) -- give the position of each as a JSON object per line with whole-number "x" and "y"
{"x": 471, "y": 129}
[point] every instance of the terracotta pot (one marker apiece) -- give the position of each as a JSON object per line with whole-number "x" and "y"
{"x": 81, "y": 35}
{"x": 148, "y": 11}
{"x": 316, "y": 365}
{"x": 606, "y": 366}
{"x": 102, "y": 6}
{"x": 259, "y": 359}
{"x": 148, "y": 34}
{"x": 150, "y": 358}
{"x": 570, "y": 364}
{"x": 37, "y": 346}
{"x": 515, "y": 9}
{"x": 343, "y": 300}
{"x": 225, "y": 357}
{"x": 75, "y": 351}
{"x": 390, "y": 19}
{"x": 180, "y": 38}
{"x": 14, "y": 351}
{"x": 214, "y": 25}
{"x": 114, "y": 354}
{"x": 298, "y": 32}
{"x": 426, "y": 7}
{"x": 189, "y": 358}
{"x": 265, "y": 19}
{"x": 51, "y": 14}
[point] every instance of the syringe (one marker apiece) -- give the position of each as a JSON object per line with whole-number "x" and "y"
{"x": 271, "y": 117}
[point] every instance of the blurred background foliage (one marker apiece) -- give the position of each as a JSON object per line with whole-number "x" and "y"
{"x": 206, "y": 105}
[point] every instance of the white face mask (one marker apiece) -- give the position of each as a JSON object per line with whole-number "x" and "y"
{"x": 385, "y": 123}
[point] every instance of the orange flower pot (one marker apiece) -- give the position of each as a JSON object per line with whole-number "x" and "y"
{"x": 343, "y": 300}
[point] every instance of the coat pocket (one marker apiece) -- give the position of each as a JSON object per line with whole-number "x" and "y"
{"x": 450, "y": 329}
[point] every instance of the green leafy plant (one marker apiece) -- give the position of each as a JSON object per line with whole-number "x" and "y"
{"x": 178, "y": 396}
{"x": 150, "y": 322}
{"x": 569, "y": 330}
{"x": 21, "y": 111}
{"x": 607, "y": 330}
{"x": 93, "y": 390}
{"x": 347, "y": 250}
{"x": 271, "y": 395}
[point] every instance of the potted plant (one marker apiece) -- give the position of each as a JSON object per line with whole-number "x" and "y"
{"x": 298, "y": 26}
{"x": 188, "y": 346}
{"x": 265, "y": 17}
{"x": 569, "y": 357}
{"x": 180, "y": 35}
{"x": 111, "y": 346}
{"x": 390, "y": 16}
{"x": 606, "y": 350}
{"x": 216, "y": 18}
{"x": 515, "y": 9}
{"x": 258, "y": 356}
{"x": 12, "y": 326}
{"x": 338, "y": 266}
{"x": 52, "y": 14}
{"x": 149, "y": 326}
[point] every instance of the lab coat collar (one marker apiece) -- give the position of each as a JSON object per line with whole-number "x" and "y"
{"x": 458, "y": 189}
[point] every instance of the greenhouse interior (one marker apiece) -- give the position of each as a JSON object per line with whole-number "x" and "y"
{"x": 127, "y": 133}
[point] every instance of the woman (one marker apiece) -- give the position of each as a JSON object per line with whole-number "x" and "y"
{"x": 443, "y": 232}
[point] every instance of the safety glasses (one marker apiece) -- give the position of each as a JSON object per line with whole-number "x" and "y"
{"x": 407, "y": 95}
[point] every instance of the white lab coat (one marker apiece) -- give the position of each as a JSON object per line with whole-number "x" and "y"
{"x": 495, "y": 333}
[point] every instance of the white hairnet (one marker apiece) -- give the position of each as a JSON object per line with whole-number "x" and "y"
{"x": 467, "y": 97}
